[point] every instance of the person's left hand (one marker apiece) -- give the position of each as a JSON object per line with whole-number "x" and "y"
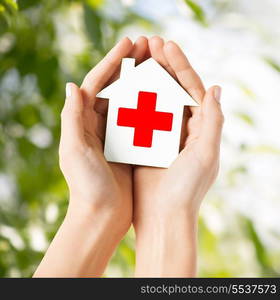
{"x": 167, "y": 201}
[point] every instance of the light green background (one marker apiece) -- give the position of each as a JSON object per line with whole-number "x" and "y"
{"x": 234, "y": 43}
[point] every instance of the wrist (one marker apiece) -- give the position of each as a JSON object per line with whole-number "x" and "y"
{"x": 162, "y": 218}
{"x": 167, "y": 226}
{"x": 93, "y": 237}
{"x": 89, "y": 215}
{"x": 170, "y": 242}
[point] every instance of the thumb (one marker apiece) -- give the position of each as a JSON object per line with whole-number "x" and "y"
{"x": 72, "y": 131}
{"x": 212, "y": 118}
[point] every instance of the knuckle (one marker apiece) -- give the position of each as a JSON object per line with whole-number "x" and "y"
{"x": 69, "y": 112}
{"x": 70, "y": 149}
{"x": 111, "y": 61}
{"x": 220, "y": 118}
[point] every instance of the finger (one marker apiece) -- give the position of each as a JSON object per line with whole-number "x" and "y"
{"x": 138, "y": 52}
{"x": 101, "y": 73}
{"x": 71, "y": 116}
{"x": 212, "y": 119}
{"x": 186, "y": 75}
{"x": 139, "y": 49}
{"x": 156, "y": 45}
{"x": 147, "y": 54}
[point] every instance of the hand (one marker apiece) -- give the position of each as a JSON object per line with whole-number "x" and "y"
{"x": 100, "y": 209}
{"x": 167, "y": 201}
{"x": 95, "y": 184}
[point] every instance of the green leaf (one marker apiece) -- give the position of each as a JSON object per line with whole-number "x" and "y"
{"x": 246, "y": 118}
{"x": 246, "y": 90}
{"x": 94, "y": 3}
{"x": 8, "y": 9}
{"x": 28, "y": 116}
{"x": 10, "y": 5}
{"x": 47, "y": 75}
{"x": 273, "y": 64}
{"x": 23, "y": 4}
{"x": 198, "y": 12}
{"x": 93, "y": 24}
{"x": 2, "y": 8}
{"x": 260, "y": 250}
{"x": 3, "y": 23}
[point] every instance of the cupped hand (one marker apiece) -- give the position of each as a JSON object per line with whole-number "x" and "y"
{"x": 95, "y": 184}
{"x": 179, "y": 189}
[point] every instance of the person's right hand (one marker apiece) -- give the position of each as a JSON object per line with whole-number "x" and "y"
{"x": 100, "y": 209}
{"x": 95, "y": 184}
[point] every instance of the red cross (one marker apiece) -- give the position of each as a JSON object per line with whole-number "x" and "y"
{"x": 145, "y": 119}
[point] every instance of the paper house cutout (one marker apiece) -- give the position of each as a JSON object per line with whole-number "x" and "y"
{"x": 144, "y": 115}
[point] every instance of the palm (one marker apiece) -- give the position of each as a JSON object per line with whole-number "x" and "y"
{"x": 115, "y": 179}
{"x": 159, "y": 182}
{"x": 175, "y": 186}
{"x": 110, "y": 178}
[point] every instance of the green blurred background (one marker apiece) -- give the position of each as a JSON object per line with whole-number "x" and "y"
{"x": 44, "y": 44}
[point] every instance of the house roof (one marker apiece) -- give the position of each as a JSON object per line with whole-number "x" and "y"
{"x": 150, "y": 76}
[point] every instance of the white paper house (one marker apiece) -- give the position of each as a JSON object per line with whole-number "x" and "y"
{"x": 144, "y": 115}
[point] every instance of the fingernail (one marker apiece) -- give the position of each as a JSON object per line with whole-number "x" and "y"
{"x": 121, "y": 40}
{"x": 217, "y": 93}
{"x": 68, "y": 90}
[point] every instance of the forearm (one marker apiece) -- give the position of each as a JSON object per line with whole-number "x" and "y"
{"x": 167, "y": 248}
{"x": 82, "y": 246}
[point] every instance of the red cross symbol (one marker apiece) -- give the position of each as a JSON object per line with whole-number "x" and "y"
{"x": 145, "y": 119}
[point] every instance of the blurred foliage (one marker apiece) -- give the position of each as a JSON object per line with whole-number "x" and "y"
{"x": 44, "y": 44}
{"x": 245, "y": 117}
{"x": 273, "y": 64}
{"x": 8, "y": 9}
{"x": 197, "y": 11}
